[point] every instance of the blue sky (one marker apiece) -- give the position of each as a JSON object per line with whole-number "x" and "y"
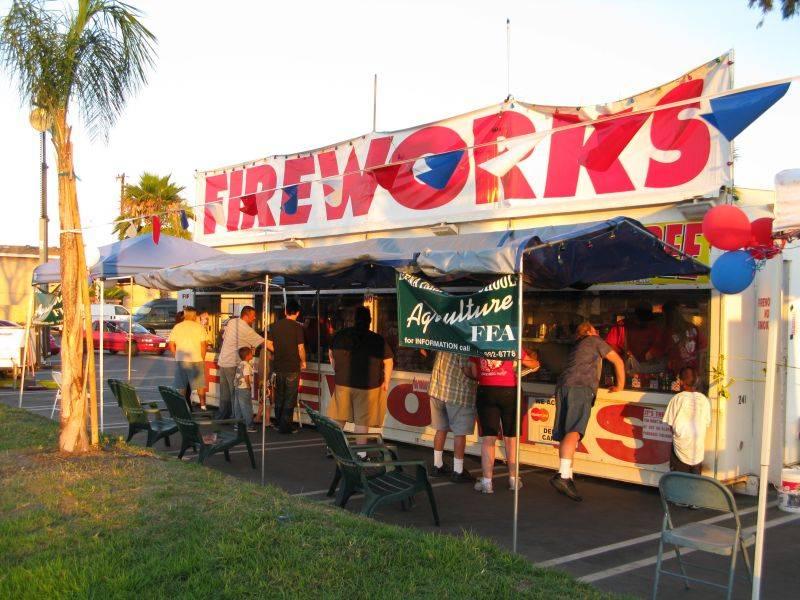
{"x": 239, "y": 80}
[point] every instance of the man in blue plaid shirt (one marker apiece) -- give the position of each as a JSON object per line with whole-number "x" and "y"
{"x": 452, "y": 395}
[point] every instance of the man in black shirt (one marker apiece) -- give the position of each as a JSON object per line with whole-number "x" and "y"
{"x": 288, "y": 360}
{"x": 362, "y": 363}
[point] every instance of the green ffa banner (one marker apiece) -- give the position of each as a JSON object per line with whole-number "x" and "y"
{"x": 480, "y": 324}
{"x": 48, "y": 309}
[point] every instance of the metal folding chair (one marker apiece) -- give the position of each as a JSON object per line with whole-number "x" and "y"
{"x": 703, "y": 492}
{"x": 57, "y": 379}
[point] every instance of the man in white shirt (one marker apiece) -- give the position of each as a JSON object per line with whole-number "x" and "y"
{"x": 238, "y": 333}
{"x": 688, "y": 414}
{"x": 188, "y": 343}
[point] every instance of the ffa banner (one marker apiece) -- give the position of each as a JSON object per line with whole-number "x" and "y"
{"x": 465, "y": 168}
{"x": 480, "y": 324}
{"x": 48, "y": 309}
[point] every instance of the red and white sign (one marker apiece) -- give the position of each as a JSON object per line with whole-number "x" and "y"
{"x": 647, "y": 158}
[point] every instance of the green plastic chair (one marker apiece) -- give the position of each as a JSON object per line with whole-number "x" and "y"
{"x": 703, "y": 492}
{"x": 393, "y": 484}
{"x": 191, "y": 437}
{"x": 157, "y": 427}
{"x": 387, "y": 451}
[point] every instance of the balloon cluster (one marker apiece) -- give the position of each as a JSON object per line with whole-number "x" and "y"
{"x": 727, "y": 227}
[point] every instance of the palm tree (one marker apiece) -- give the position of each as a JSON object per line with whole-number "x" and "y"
{"x": 91, "y": 59}
{"x": 153, "y": 195}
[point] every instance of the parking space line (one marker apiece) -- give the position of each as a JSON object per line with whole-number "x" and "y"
{"x": 633, "y": 541}
{"x": 638, "y": 564}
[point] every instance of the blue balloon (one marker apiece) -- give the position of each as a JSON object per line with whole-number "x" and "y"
{"x": 733, "y": 271}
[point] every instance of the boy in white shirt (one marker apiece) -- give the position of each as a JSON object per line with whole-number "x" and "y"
{"x": 688, "y": 414}
{"x": 243, "y": 384}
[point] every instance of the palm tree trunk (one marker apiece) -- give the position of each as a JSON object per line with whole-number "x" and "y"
{"x": 75, "y": 295}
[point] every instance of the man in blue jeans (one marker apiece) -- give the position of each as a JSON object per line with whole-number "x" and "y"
{"x": 289, "y": 358}
{"x": 238, "y": 333}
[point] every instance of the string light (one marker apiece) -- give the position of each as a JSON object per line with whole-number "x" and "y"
{"x": 402, "y": 161}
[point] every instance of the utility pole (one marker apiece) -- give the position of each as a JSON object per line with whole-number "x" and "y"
{"x": 121, "y": 178}
{"x": 43, "y": 220}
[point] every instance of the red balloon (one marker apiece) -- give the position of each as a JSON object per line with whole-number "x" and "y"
{"x": 761, "y": 232}
{"x": 726, "y": 227}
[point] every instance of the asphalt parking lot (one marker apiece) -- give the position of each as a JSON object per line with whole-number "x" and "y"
{"x": 609, "y": 540}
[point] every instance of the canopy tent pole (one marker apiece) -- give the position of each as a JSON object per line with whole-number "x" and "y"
{"x": 264, "y": 413}
{"x": 130, "y": 333}
{"x": 102, "y": 332}
{"x": 775, "y": 314}
{"x": 319, "y": 357}
{"x": 25, "y": 347}
{"x": 519, "y": 406}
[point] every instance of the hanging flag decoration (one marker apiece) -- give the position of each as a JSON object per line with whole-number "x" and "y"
{"x": 290, "y": 200}
{"x": 131, "y": 231}
{"x": 184, "y": 220}
{"x": 332, "y": 190}
{"x": 156, "y": 229}
{"x": 386, "y": 176}
{"x": 733, "y": 113}
{"x": 501, "y": 164}
{"x": 249, "y": 205}
{"x": 216, "y": 211}
{"x": 436, "y": 170}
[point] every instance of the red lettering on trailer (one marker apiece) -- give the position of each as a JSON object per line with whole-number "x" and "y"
{"x": 294, "y": 169}
{"x": 690, "y": 244}
{"x": 618, "y": 419}
{"x": 215, "y": 184}
{"x": 689, "y": 137}
{"x": 258, "y": 178}
{"x": 489, "y": 129}
{"x": 358, "y": 186}
{"x": 396, "y": 405}
{"x": 234, "y": 199}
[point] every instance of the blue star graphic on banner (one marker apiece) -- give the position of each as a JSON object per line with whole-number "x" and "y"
{"x": 732, "y": 114}
{"x": 442, "y": 167}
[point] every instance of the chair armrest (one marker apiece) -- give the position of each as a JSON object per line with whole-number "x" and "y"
{"x": 354, "y": 437}
{"x": 392, "y": 463}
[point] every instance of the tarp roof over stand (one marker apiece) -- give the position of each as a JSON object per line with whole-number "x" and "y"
{"x": 555, "y": 257}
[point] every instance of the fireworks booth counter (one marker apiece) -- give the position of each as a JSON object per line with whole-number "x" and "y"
{"x": 514, "y": 186}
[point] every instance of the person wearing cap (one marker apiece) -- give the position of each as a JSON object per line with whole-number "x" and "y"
{"x": 575, "y": 394}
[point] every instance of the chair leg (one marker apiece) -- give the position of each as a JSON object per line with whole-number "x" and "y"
{"x": 337, "y": 476}
{"x": 166, "y": 441}
{"x": 370, "y": 504}
{"x": 343, "y": 495}
{"x": 55, "y": 403}
{"x": 151, "y": 438}
{"x": 131, "y": 432}
{"x": 746, "y": 557}
{"x": 250, "y": 451}
{"x": 227, "y": 456}
{"x": 732, "y": 572}
{"x": 658, "y": 568}
{"x": 680, "y": 566}
{"x": 435, "y": 512}
{"x": 184, "y": 448}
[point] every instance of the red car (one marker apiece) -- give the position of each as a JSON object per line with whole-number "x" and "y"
{"x": 115, "y": 339}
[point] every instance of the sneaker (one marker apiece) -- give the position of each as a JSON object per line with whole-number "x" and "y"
{"x": 252, "y": 429}
{"x": 514, "y": 484}
{"x": 442, "y": 471}
{"x": 566, "y": 487}
{"x": 485, "y": 488}
{"x": 463, "y": 477}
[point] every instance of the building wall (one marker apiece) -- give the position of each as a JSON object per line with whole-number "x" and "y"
{"x": 15, "y": 285}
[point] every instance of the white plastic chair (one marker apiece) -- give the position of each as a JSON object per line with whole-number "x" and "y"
{"x": 57, "y": 379}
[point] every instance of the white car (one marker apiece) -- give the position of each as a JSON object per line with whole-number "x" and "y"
{"x": 111, "y": 313}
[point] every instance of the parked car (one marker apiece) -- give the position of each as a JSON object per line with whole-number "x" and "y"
{"x": 111, "y": 312}
{"x": 157, "y": 315}
{"x": 115, "y": 339}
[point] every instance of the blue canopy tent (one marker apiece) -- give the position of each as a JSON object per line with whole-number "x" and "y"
{"x": 124, "y": 260}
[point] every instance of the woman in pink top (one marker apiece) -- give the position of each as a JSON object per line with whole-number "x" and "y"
{"x": 497, "y": 411}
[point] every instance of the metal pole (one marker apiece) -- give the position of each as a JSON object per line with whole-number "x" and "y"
{"x": 374, "y": 101}
{"x": 102, "y": 333}
{"x": 25, "y": 348}
{"x": 508, "y": 58}
{"x": 519, "y": 406}
{"x": 43, "y": 220}
{"x": 130, "y": 332}
{"x": 319, "y": 357}
{"x": 264, "y": 413}
{"x": 775, "y": 313}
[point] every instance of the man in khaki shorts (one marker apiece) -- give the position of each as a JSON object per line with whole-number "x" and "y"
{"x": 452, "y": 396}
{"x": 362, "y": 364}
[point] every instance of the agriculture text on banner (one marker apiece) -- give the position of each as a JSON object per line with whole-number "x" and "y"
{"x": 479, "y": 324}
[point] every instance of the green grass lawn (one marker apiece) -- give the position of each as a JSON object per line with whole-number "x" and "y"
{"x": 126, "y": 522}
